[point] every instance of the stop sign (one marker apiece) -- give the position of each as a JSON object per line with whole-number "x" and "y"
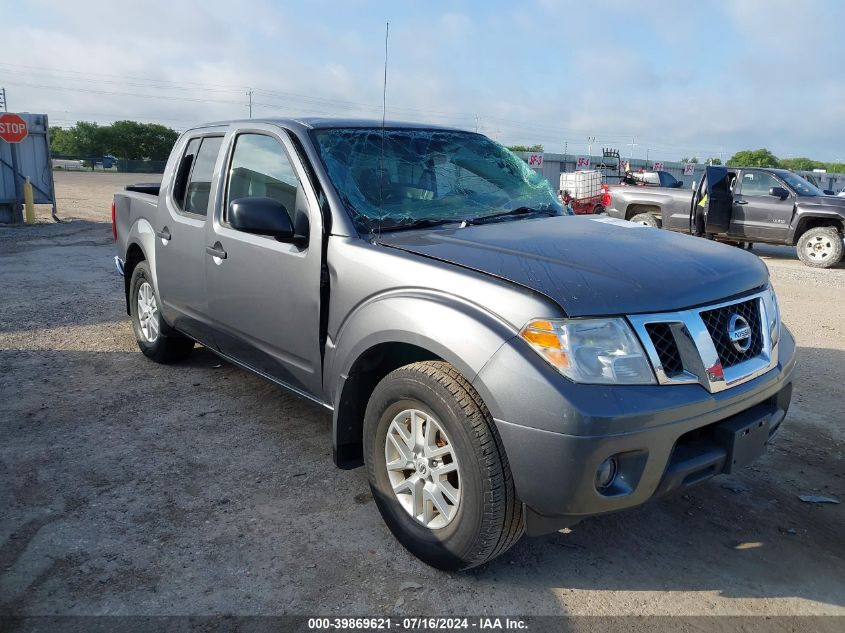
{"x": 12, "y": 128}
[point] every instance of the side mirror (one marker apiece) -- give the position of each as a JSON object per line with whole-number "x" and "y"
{"x": 779, "y": 192}
{"x": 263, "y": 216}
{"x": 828, "y": 192}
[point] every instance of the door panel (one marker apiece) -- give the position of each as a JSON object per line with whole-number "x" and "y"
{"x": 759, "y": 216}
{"x": 719, "y": 201}
{"x": 265, "y": 295}
{"x": 180, "y": 239}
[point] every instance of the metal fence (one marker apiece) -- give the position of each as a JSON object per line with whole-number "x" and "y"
{"x": 555, "y": 164}
{"x": 107, "y": 163}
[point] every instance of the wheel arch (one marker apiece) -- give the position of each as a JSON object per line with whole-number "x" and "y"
{"x": 805, "y": 223}
{"x": 355, "y": 389}
{"x": 636, "y": 208}
{"x": 431, "y": 328}
{"x": 140, "y": 246}
{"x": 134, "y": 256}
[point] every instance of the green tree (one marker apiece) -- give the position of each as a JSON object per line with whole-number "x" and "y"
{"x": 88, "y": 139}
{"x": 125, "y": 139}
{"x": 526, "y": 148}
{"x": 714, "y": 161}
{"x": 694, "y": 159}
{"x": 754, "y": 158}
{"x": 61, "y": 141}
{"x": 801, "y": 164}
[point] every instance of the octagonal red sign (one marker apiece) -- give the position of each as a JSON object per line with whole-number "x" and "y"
{"x": 12, "y": 128}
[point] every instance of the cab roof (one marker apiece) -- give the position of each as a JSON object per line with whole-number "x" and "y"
{"x": 317, "y": 123}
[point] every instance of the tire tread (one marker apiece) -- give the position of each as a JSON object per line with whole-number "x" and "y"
{"x": 502, "y": 521}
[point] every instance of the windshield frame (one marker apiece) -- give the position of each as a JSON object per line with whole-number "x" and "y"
{"x": 369, "y": 224}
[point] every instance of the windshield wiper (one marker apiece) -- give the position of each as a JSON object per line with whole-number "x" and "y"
{"x": 421, "y": 223}
{"x": 513, "y": 212}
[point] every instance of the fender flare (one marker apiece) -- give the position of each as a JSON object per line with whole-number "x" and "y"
{"x": 429, "y": 322}
{"x": 803, "y": 218}
{"x": 142, "y": 235}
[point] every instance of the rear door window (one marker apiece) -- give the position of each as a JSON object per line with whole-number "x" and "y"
{"x": 198, "y": 190}
{"x": 180, "y": 182}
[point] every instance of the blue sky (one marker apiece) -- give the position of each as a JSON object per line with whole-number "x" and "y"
{"x": 672, "y": 79}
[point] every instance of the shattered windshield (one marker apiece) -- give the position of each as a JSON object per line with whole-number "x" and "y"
{"x": 414, "y": 177}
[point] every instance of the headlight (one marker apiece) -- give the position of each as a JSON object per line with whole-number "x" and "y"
{"x": 603, "y": 351}
{"x": 773, "y": 312}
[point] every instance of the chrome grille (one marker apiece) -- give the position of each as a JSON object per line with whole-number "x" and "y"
{"x": 694, "y": 346}
{"x": 716, "y": 321}
{"x": 666, "y": 347}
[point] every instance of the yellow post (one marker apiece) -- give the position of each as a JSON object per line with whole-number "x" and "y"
{"x": 28, "y": 204}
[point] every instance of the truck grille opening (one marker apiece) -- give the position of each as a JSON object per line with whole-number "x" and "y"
{"x": 716, "y": 321}
{"x": 667, "y": 349}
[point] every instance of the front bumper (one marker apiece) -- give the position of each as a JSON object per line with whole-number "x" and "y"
{"x": 665, "y": 438}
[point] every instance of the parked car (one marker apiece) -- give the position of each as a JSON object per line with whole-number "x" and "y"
{"x": 750, "y": 205}
{"x": 425, "y": 286}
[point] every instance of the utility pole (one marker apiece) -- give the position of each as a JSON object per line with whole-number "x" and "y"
{"x": 249, "y": 94}
{"x": 633, "y": 145}
{"x": 476, "y": 124}
{"x": 590, "y": 141}
{"x": 3, "y": 100}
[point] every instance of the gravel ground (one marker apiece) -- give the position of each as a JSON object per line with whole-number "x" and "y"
{"x": 133, "y": 488}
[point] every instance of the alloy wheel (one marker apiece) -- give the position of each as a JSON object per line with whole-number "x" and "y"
{"x": 423, "y": 468}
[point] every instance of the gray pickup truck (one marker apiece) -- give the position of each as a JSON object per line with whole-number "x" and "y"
{"x": 426, "y": 287}
{"x": 745, "y": 205}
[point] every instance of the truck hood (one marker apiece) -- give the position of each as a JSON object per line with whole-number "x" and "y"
{"x": 594, "y": 266}
{"x": 833, "y": 203}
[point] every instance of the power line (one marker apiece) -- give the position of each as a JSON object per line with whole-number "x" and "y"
{"x": 317, "y": 104}
{"x": 176, "y": 84}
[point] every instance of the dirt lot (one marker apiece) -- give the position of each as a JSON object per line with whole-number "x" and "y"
{"x": 132, "y": 488}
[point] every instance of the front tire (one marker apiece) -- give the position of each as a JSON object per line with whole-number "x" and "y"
{"x": 437, "y": 468}
{"x": 820, "y": 247}
{"x": 157, "y": 341}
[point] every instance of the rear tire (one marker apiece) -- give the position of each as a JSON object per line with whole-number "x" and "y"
{"x": 646, "y": 219}
{"x": 820, "y": 247}
{"x": 482, "y": 516}
{"x": 156, "y": 340}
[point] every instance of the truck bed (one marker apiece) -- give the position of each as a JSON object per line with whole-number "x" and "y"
{"x": 150, "y": 188}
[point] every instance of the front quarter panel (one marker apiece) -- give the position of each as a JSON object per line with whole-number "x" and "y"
{"x": 383, "y": 295}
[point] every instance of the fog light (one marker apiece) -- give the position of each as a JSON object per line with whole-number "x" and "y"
{"x": 606, "y": 473}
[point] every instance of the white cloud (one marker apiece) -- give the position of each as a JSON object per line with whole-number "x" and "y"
{"x": 690, "y": 78}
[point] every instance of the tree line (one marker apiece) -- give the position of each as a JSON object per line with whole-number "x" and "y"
{"x": 765, "y": 158}
{"x": 129, "y": 140}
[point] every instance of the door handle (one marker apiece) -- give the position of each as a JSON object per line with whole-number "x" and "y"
{"x": 163, "y": 234}
{"x": 740, "y": 201}
{"x": 216, "y": 251}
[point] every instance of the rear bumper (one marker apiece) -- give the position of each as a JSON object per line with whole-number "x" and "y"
{"x": 670, "y": 439}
